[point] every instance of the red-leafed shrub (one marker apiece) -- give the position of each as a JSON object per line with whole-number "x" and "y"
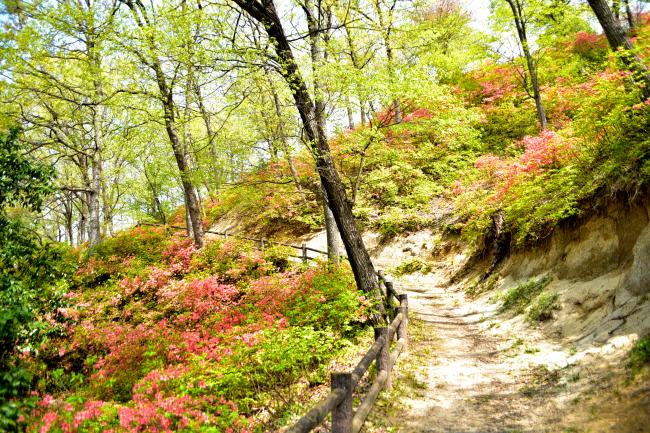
{"x": 590, "y": 46}
{"x": 545, "y": 151}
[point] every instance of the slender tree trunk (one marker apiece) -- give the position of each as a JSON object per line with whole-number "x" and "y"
{"x": 98, "y": 114}
{"x": 629, "y": 14}
{"x": 83, "y": 218}
{"x": 68, "y": 216}
{"x": 108, "y": 212}
{"x": 94, "y": 214}
{"x": 386, "y": 30}
{"x": 167, "y": 99}
{"x": 180, "y": 154}
{"x": 331, "y": 233}
{"x": 362, "y": 267}
{"x": 315, "y": 31}
{"x": 348, "y": 108}
{"x": 618, "y": 40}
{"x": 285, "y": 144}
{"x": 352, "y": 52}
{"x": 516, "y": 7}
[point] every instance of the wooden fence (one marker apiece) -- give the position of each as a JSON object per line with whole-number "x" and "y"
{"x": 343, "y": 384}
{"x": 339, "y": 401}
{"x": 263, "y": 243}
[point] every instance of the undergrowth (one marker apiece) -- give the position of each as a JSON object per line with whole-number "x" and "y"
{"x": 411, "y": 266}
{"x": 519, "y": 297}
{"x": 639, "y": 354}
{"x": 159, "y": 336}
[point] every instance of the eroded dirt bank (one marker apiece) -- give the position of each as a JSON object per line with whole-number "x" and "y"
{"x": 474, "y": 368}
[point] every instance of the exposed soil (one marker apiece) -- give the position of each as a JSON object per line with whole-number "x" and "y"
{"x": 469, "y": 369}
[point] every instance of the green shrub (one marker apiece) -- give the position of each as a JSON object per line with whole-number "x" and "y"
{"x": 543, "y": 307}
{"x": 328, "y": 299}
{"x": 478, "y": 287}
{"x": 411, "y": 266}
{"x": 145, "y": 243}
{"x": 519, "y": 297}
{"x": 279, "y": 360}
{"x": 640, "y": 354}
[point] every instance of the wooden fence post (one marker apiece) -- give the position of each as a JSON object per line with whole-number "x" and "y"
{"x": 402, "y": 330}
{"x": 383, "y": 357}
{"x": 389, "y": 295}
{"x": 380, "y": 274}
{"x": 303, "y": 247}
{"x": 342, "y": 414}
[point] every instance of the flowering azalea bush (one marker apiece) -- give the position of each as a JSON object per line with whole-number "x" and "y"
{"x": 193, "y": 341}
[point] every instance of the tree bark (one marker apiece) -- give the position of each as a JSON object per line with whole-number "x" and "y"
{"x": 629, "y": 14}
{"x": 618, "y": 40}
{"x": 94, "y": 197}
{"x": 386, "y": 29}
{"x": 331, "y": 233}
{"x": 517, "y": 13}
{"x": 362, "y": 267}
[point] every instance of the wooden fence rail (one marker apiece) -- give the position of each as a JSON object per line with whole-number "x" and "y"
{"x": 261, "y": 241}
{"x": 339, "y": 401}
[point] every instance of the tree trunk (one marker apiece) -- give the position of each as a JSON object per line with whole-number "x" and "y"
{"x": 83, "y": 218}
{"x": 362, "y": 267}
{"x": 68, "y": 215}
{"x": 348, "y": 108}
{"x": 331, "y": 233}
{"x": 386, "y": 30}
{"x": 618, "y": 40}
{"x": 352, "y": 52}
{"x": 94, "y": 214}
{"x": 629, "y": 14}
{"x": 516, "y": 7}
{"x": 94, "y": 197}
{"x": 167, "y": 100}
{"x": 315, "y": 31}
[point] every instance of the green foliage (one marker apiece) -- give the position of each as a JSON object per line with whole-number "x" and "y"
{"x": 639, "y": 354}
{"x": 279, "y": 360}
{"x": 542, "y": 308}
{"x": 145, "y": 243}
{"x": 29, "y": 270}
{"x": 478, "y": 287}
{"x": 411, "y": 266}
{"x": 506, "y": 123}
{"x": 519, "y": 297}
{"x": 23, "y": 182}
{"x": 332, "y": 302}
{"x": 540, "y": 203}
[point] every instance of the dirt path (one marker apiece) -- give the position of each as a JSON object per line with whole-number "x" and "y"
{"x": 469, "y": 370}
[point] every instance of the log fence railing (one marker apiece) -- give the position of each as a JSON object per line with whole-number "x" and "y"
{"x": 339, "y": 402}
{"x": 262, "y": 242}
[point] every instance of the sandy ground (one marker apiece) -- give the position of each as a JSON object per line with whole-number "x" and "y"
{"x": 471, "y": 370}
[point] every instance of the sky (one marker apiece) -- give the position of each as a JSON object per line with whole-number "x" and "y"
{"x": 480, "y": 12}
